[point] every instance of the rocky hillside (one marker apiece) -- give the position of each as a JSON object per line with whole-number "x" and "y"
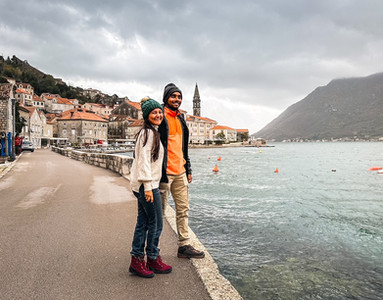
{"x": 345, "y": 108}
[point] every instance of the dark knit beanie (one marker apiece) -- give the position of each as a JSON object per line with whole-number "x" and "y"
{"x": 147, "y": 105}
{"x": 169, "y": 90}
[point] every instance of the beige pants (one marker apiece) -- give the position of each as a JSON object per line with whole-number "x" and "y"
{"x": 178, "y": 186}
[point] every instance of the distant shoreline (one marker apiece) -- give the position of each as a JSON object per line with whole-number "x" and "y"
{"x": 225, "y": 146}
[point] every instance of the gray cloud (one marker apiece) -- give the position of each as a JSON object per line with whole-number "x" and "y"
{"x": 260, "y": 56}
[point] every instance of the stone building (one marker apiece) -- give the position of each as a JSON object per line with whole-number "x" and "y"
{"x": 133, "y": 129}
{"x": 258, "y": 142}
{"x": 56, "y": 104}
{"x": 25, "y": 86}
{"x": 128, "y": 108}
{"x": 118, "y": 127}
{"x": 92, "y": 93}
{"x": 230, "y": 133}
{"x": 199, "y": 129}
{"x": 38, "y": 102}
{"x": 24, "y": 97}
{"x": 46, "y": 130}
{"x": 33, "y": 129}
{"x": 52, "y": 119}
{"x": 6, "y": 120}
{"x": 242, "y": 135}
{"x": 100, "y": 109}
{"x": 79, "y": 126}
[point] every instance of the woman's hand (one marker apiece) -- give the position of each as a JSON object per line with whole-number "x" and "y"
{"x": 149, "y": 196}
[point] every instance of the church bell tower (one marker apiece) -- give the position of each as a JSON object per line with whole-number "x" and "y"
{"x": 196, "y": 102}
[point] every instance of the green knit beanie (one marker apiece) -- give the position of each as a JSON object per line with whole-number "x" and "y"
{"x": 147, "y": 105}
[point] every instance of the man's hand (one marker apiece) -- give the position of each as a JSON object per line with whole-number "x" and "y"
{"x": 149, "y": 196}
{"x": 190, "y": 178}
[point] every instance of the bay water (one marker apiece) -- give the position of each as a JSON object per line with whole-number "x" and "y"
{"x": 312, "y": 230}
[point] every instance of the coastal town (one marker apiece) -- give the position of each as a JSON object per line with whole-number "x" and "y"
{"x": 49, "y": 119}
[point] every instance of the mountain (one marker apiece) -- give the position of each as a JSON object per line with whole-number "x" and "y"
{"x": 345, "y": 108}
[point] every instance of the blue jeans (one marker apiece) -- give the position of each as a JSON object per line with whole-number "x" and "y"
{"x": 149, "y": 225}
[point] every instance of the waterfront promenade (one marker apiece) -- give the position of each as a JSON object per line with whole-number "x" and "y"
{"x": 66, "y": 233}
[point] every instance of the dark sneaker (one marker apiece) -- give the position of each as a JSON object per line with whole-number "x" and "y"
{"x": 189, "y": 251}
{"x": 158, "y": 266}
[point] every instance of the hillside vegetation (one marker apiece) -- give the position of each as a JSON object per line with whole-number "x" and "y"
{"x": 22, "y": 71}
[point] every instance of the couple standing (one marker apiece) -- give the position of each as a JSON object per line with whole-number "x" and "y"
{"x": 161, "y": 166}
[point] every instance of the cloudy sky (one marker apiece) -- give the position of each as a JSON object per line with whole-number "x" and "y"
{"x": 251, "y": 58}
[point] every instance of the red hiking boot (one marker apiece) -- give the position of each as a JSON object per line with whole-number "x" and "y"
{"x": 158, "y": 266}
{"x": 138, "y": 267}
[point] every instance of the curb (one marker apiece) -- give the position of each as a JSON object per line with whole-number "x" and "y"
{"x": 217, "y": 286}
{"x": 4, "y": 169}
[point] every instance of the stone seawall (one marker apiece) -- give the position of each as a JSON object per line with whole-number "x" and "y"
{"x": 118, "y": 163}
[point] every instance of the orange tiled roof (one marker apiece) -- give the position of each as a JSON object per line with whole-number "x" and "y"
{"x": 50, "y": 96}
{"x": 222, "y": 127}
{"x": 65, "y": 101}
{"x": 25, "y": 85}
{"x": 134, "y": 104}
{"x": 22, "y": 91}
{"x": 37, "y": 98}
{"x": 242, "y": 130}
{"x": 80, "y": 114}
{"x": 52, "y": 116}
{"x": 31, "y": 109}
{"x": 202, "y": 118}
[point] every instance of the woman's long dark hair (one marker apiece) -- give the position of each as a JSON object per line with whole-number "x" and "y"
{"x": 156, "y": 141}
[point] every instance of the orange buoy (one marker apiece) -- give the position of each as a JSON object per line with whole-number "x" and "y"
{"x": 276, "y": 170}
{"x": 375, "y": 168}
{"x": 219, "y": 158}
{"x": 215, "y": 168}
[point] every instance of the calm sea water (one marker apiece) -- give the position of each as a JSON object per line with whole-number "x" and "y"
{"x": 314, "y": 230}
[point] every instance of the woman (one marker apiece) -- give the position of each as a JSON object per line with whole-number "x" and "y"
{"x": 145, "y": 177}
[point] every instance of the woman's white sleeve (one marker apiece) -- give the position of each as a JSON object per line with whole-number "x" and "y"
{"x": 144, "y": 161}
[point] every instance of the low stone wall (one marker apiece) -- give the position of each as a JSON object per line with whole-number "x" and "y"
{"x": 118, "y": 163}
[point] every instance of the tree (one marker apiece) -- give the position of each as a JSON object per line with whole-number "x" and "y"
{"x": 244, "y": 136}
{"x": 220, "y": 137}
{"x": 3, "y": 79}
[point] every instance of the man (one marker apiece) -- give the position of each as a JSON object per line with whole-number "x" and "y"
{"x": 176, "y": 171}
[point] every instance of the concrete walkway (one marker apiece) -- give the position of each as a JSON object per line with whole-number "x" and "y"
{"x": 67, "y": 229}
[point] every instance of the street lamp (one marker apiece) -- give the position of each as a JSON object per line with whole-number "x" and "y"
{"x": 13, "y": 156}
